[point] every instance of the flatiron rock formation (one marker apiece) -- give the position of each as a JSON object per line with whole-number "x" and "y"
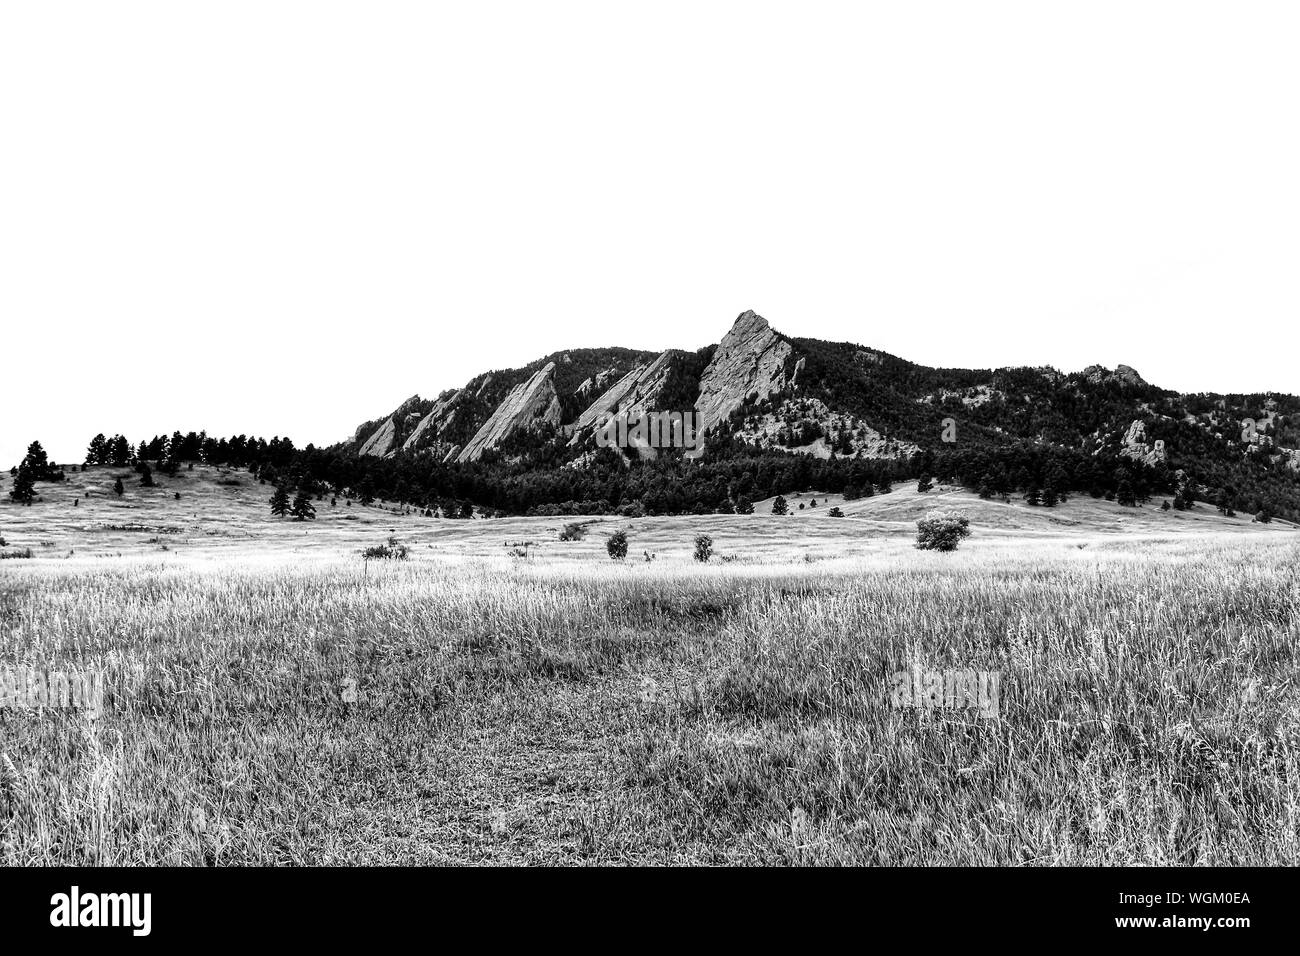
{"x": 750, "y": 364}
{"x": 527, "y": 405}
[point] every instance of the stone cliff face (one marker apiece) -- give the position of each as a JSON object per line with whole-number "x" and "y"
{"x": 440, "y": 416}
{"x": 386, "y": 438}
{"x": 1137, "y": 447}
{"x": 381, "y": 442}
{"x": 636, "y": 391}
{"x": 749, "y": 365}
{"x": 529, "y": 404}
{"x": 1125, "y": 374}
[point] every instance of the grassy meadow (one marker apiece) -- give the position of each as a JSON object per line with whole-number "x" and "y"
{"x": 485, "y": 709}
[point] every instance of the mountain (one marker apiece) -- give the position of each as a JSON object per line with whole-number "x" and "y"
{"x": 760, "y": 391}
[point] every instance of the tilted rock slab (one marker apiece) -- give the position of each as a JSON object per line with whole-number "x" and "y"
{"x": 381, "y": 442}
{"x": 439, "y": 417}
{"x": 527, "y": 405}
{"x": 635, "y": 392}
{"x": 749, "y": 365}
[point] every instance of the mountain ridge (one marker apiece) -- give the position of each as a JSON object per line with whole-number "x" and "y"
{"x": 852, "y": 400}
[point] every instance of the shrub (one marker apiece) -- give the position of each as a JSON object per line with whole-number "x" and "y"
{"x": 941, "y": 531}
{"x": 836, "y": 512}
{"x": 573, "y": 532}
{"x": 394, "y": 550}
{"x": 703, "y": 547}
{"x": 617, "y": 545}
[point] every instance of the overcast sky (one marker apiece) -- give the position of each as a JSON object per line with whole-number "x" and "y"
{"x": 285, "y": 218}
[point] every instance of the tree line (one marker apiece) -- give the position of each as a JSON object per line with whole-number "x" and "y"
{"x": 730, "y": 478}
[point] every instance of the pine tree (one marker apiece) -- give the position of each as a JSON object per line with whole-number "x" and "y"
{"x": 744, "y": 506}
{"x": 146, "y": 476}
{"x": 118, "y": 488}
{"x": 1223, "y": 501}
{"x": 37, "y": 462}
{"x": 1033, "y": 496}
{"x": 24, "y": 489}
{"x": 280, "y": 501}
{"x": 925, "y": 484}
{"x": 97, "y": 453}
{"x": 1049, "y": 497}
{"x": 1124, "y": 494}
{"x": 302, "y": 507}
{"x": 780, "y": 507}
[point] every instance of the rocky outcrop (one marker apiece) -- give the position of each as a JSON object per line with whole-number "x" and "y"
{"x": 838, "y": 433}
{"x": 439, "y": 417}
{"x": 1135, "y": 445}
{"x": 749, "y": 365}
{"x": 528, "y": 404}
{"x": 1124, "y": 374}
{"x": 635, "y": 392}
{"x": 381, "y": 442}
{"x": 385, "y": 439}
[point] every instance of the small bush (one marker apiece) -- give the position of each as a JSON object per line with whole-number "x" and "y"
{"x": 703, "y": 547}
{"x": 836, "y": 512}
{"x": 573, "y": 532}
{"x": 22, "y": 553}
{"x": 941, "y": 531}
{"x": 394, "y": 550}
{"x": 617, "y": 545}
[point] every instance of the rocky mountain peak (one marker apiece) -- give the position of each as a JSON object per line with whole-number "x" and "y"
{"x": 1096, "y": 374}
{"x": 749, "y": 365}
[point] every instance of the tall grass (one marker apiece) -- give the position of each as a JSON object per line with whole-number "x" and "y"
{"x": 657, "y": 712}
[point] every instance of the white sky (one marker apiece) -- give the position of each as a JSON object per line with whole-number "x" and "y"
{"x": 285, "y": 218}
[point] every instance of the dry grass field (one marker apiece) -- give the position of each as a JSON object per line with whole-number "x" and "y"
{"x": 271, "y": 698}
